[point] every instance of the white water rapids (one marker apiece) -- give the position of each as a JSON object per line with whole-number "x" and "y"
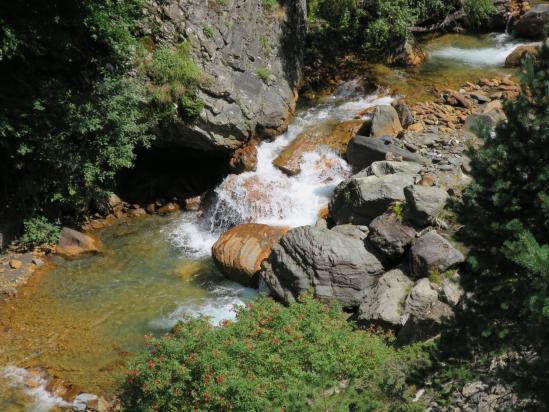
{"x": 268, "y": 195}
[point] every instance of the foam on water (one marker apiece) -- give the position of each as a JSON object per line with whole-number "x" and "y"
{"x": 34, "y": 388}
{"x": 268, "y": 195}
{"x": 495, "y": 55}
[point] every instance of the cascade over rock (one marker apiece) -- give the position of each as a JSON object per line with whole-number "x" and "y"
{"x": 243, "y": 39}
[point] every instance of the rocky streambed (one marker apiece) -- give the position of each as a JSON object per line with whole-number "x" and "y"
{"x": 371, "y": 231}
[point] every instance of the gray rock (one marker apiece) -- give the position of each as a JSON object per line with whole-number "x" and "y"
{"x": 333, "y": 265}
{"x": 425, "y": 325}
{"x": 532, "y": 23}
{"x": 360, "y": 200}
{"x": 385, "y": 122}
{"x": 84, "y": 402}
{"x": 356, "y": 232}
{"x": 390, "y": 236}
{"x": 405, "y": 114}
{"x": 450, "y": 292}
{"x": 242, "y": 38}
{"x": 423, "y": 203}
{"x": 384, "y": 303}
{"x": 431, "y": 252}
{"x": 421, "y": 298}
{"x": 384, "y": 167}
{"x": 478, "y": 122}
{"x": 363, "y": 151}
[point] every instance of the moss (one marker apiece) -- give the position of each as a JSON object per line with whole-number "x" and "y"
{"x": 264, "y": 74}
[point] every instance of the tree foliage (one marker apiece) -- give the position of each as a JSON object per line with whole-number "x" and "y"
{"x": 505, "y": 213}
{"x": 302, "y": 357}
{"x": 70, "y": 116}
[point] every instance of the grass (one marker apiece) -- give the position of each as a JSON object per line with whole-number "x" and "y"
{"x": 264, "y": 74}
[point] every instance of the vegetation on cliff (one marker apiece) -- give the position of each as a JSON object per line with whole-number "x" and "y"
{"x": 302, "y": 357}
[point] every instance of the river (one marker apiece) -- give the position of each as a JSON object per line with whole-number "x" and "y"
{"x": 81, "y": 320}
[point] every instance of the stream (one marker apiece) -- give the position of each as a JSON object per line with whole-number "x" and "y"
{"x": 82, "y": 320}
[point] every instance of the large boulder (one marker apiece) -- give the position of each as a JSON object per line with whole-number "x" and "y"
{"x": 532, "y": 23}
{"x": 383, "y": 304}
{"x": 361, "y": 199}
{"x": 332, "y": 265}
{"x": 487, "y": 119}
{"x": 519, "y": 54}
{"x": 335, "y": 135}
{"x": 73, "y": 244}
{"x": 405, "y": 114}
{"x": 243, "y": 40}
{"x": 424, "y": 203}
{"x": 239, "y": 252}
{"x": 385, "y": 122}
{"x": 363, "y": 151}
{"x": 432, "y": 253}
{"x": 390, "y": 236}
{"x": 384, "y": 167}
{"x": 244, "y": 159}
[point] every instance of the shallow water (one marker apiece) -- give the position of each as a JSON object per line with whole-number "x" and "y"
{"x": 84, "y": 318}
{"x": 452, "y": 60}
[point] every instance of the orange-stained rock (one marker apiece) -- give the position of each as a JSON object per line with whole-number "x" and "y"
{"x": 333, "y": 134}
{"x": 15, "y": 264}
{"x": 416, "y": 127}
{"x": 73, "y": 244}
{"x": 516, "y": 57}
{"x": 239, "y": 252}
{"x": 169, "y": 208}
{"x": 244, "y": 159}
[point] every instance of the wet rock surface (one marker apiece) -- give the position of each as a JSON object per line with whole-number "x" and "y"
{"x": 73, "y": 244}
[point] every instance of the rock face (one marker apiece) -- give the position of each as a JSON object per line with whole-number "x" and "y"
{"x": 73, "y": 244}
{"x": 242, "y": 40}
{"x": 431, "y": 253}
{"x": 334, "y": 135}
{"x": 239, "y": 252}
{"x": 423, "y": 203}
{"x": 516, "y": 57}
{"x": 384, "y": 168}
{"x": 363, "y": 151}
{"x": 361, "y": 199}
{"x": 533, "y": 21}
{"x": 390, "y": 236}
{"x": 383, "y": 304}
{"x": 385, "y": 122}
{"x": 331, "y": 264}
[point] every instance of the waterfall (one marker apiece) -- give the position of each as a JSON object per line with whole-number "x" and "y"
{"x": 268, "y": 195}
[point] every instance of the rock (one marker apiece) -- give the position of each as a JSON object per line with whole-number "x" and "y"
{"x": 461, "y": 100}
{"x": 406, "y": 53}
{"x": 2, "y": 241}
{"x": 421, "y": 298}
{"x": 151, "y": 208}
{"x": 532, "y": 23}
{"x": 516, "y": 57}
{"x": 383, "y": 168}
{"x": 390, "y": 236}
{"x": 360, "y": 200}
{"x": 193, "y": 203}
{"x": 137, "y": 212}
{"x": 450, "y": 292}
{"x": 425, "y": 325}
{"x": 383, "y": 304}
{"x": 431, "y": 252}
{"x": 355, "y": 232}
{"x": 238, "y": 103}
{"x": 363, "y": 151}
{"x": 423, "y": 203}
{"x": 85, "y": 402}
{"x": 239, "y": 252}
{"x": 385, "y": 122}
{"x": 404, "y": 114}
{"x": 416, "y": 127}
{"x": 477, "y": 122}
{"x": 73, "y": 244}
{"x": 333, "y": 134}
{"x": 15, "y": 264}
{"x": 107, "y": 202}
{"x": 427, "y": 180}
{"x": 244, "y": 159}
{"x": 329, "y": 263}
{"x": 170, "y": 207}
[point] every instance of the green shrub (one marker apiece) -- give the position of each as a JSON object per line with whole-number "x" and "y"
{"x": 38, "y": 231}
{"x": 270, "y": 3}
{"x": 174, "y": 66}
{"x": 264, "y": 74}
{"x": 302, "y": 357}
{"x": 190, "y": 107}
